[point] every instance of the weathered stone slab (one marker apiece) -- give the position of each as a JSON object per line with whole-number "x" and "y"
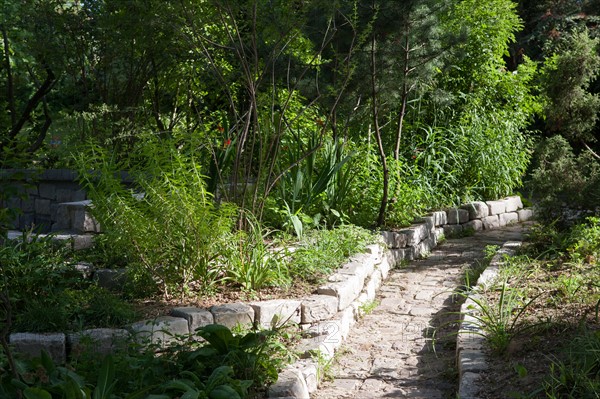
{"x": 310, "y": 372}
{"x": 276, "y": 312}
{"x": 82, "y": 241}
{"x": 491, "y": 222}
{"x": 477, "y": 210}
{"x": 474, "y": 225}
{"x": 47, "y": 191}
{"x": 471, "y": 361}
{"x": 42, "y": 206}
{"x": 233, "y": 314}
{"x": 111, "y": 279}
{"x": 513, "y": 203}
{"x": 424, "y": 248}
{"x": 415, "y": 234}
{"x": 31, "y": 345}
{"x": 196, "y": 317}
{"x": 525, "y": 215}
{"x": 440, "y": 218}
{"x": 508, "y": 218}
{"x": 402, "y": 254}
{"x": 101, "y": 341}
{"x": 428, "y": 221}
{"x": 469, "y": 386}
{"x": 345, "y": 291}
{"x": 361, "y": 268}
{"x": 318, "y": 307}
{"x": 394, "y": 240}
{"x": 290, "y": 383}
{"x": 496, "y": 207}
{"x": 85, "y": 269}
{"x": 457, "y": 215}
{"x": 160, "y": 331}
{"x": 373, "y": 285}
{"x": 453, "y": 230}
{"x": 384, "y": 267}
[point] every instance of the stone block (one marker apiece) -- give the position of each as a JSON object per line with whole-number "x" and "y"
{"x": 491, "y": 222}
{"x": 276, "y": 312}
{"x": 438, "y": 233}
{"x": 310, "y": 372}
{"x": 477, "y": 209}
{"x": 384, "y": 267}
{"x": 318, "y": 307}
{"x": 397, "y": 256}
{"x": 471, "y": 361}
{"x": 101, "y": 341}
{"x": 42, "y": 206}
{"x": 394, "y": 240}
{"x": 469, "y": 386}
{"x": 345, "y": 291}
{"x": 160, "y": 331}
{"x": 362, "y": 269}
{"x": 307, "y": 348}
{"x": 453, "y": 230}
{"x": 525, "y": 215}
{"x": 233, "y": 314}
{"x": 415, "y": 234}
{"x": 513, "y": 203}
{"x": 428, "y": 221}
{"x": 82, "y": 241}
{"x": 424, "y": 248}
{"x": 496, "y": 207}
{"x": 373, "y": 285}
{"x": 440, "y": 218}
{"x": 196, "y": 317}
{"x": 28, "y": 205}
{"x": 31, "y": 345}
{"x": 64, "y": 195}
{"x": 85, "y": 269}
{"x": 26, "y": 221}
{"x": 346, "y": 321}
{"x": 111, "y": 279}
{"x": 47, "y": 191}
{"x": 291, "y": 384}
{"x": 457, "y": 215}
{"x": 376, "y": 250}
{"x": 474, "y": 225}
{"x": 508, "y": 218}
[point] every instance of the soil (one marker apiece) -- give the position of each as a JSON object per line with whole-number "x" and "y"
{"x": 556, "y": 318}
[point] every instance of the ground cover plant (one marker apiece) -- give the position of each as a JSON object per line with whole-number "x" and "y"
{"x": 550, "y": 351}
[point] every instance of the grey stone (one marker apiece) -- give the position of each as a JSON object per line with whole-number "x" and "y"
{"x": 491, "y": 222}
{"x": 233, "y": 314}
{"x": 310, "y": 372}
{"x": 309, "y": 347}
{"x": 373, "y": 285}
{"x": 457, "y": 215}
{"x": 345, "y": 291}
{"x": 32, "y": 345}
{"x": 508, "y": 218}
{"x": 428, "y": 221}
{"x": 394, "y": 240}
{"x": 26, "y": 221}
{"x": 358, "y": 268}
{"x": 513, "y": 203}
{"x": 471, "y": 361}
{"x": 79, "y": 195}
{"x": 85, "y": 269}
{"x": 318, "y": 307}
{"x": 397, "y": 256}
{"x": 291, "y": 384}
{"x": 468, "y": 386}
{"x": 64, "y": 195}
{"x": 28, "y": 205}
{"x": 384, "y": 267}
{"x": 98, "y": 341}
{"x": 453, "y": 230}
{"x": 111, "y": 279}
{"x": 424, "y": 248}
{"x": 42, "y": 206}
{"x": 477, "y": 209}
{"x": 196, "y": 317}
{"x": 415, "y": 234}
{"x": 496, "y": 207}
{"x": 82, "y": 241}
{"x": 440, "y": 218}
{"x": 47, "y": 190}
{"x": 276, "y": 312}
{"x": 160, "y": 331}
{"x": 525, "y": 215}
{"x": 475, "y": 225}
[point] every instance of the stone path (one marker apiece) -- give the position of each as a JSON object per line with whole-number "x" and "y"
{"x": 390, "y": 353}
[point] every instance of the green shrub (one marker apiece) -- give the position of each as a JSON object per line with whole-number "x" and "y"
{"x": 173, "y": 233}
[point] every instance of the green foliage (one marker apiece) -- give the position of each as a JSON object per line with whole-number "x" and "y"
{"x": 322, "y": 251}
{"x": 173, "y": 232}
{"x": 561, "y": 178}
{"x": 572, "y": 110}
{"x": 502, "y": 320}
{"x": 225, "y": 366}
{"x": 584, "y": 241}
{"x": 577, "y": 376}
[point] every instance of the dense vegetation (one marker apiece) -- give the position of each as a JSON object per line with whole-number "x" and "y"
{"x": 237, "y": 119}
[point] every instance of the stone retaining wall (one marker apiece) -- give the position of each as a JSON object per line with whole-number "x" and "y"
{"x": 325, "y": 317}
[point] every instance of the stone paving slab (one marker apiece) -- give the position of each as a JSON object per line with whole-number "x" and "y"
{"x": 390, "y": 352}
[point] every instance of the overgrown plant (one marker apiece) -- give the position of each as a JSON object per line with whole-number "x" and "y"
{"x": 167, "y": 223}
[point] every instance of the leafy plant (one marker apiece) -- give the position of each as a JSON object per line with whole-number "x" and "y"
{"x": 502, "y": 320}
{"x": 172, "y": 232}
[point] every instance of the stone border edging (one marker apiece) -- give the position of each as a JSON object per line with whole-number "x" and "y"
{"x": 470, "y": 340}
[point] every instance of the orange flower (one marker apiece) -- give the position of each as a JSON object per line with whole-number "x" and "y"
{"x": 220, "y": 128}
{"x": 227, "y": 143}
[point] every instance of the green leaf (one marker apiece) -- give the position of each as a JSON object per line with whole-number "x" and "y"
{"x": 36, "y": 393}
{"x": 224, "y": 392}
{"x": 220, "y": 337}
{"x": 106, "y": 379}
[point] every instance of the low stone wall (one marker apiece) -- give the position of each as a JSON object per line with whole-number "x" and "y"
{"x": 325, "y": 317}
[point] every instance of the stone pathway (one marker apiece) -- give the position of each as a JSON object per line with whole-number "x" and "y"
{"x": 390, "y": 353}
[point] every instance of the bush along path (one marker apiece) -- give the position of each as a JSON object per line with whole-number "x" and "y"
{"x": 406, "y": 345}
